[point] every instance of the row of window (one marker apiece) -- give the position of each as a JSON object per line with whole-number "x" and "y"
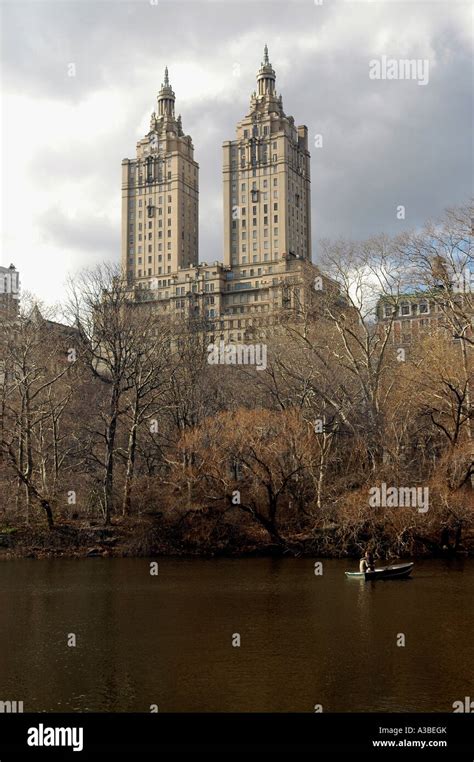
{"x": 408, "y": 308}
{"x": 254, "y": 233}
{"x": 256, "y": 246}
{"x": 255, "y": 258}
{"x": 243, "y": 186}
{"x": 149, "y": 272}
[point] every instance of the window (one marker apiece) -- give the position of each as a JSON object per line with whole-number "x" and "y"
{"x": 424, "y": 308}
{"x": 405, "y": 308}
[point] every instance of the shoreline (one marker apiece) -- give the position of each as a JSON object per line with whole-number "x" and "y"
{"x": 146, "y": 538}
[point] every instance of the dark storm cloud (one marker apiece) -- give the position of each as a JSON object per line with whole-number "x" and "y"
{"x": 385, "y": 143}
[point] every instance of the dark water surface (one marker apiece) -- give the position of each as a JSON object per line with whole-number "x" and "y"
{"x": 167, "y": 640}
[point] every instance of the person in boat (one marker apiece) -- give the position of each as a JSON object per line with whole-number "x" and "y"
{"x": 367, "y": 562}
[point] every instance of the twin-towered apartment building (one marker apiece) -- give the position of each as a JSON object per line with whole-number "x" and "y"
{"x": 267, "y": 216}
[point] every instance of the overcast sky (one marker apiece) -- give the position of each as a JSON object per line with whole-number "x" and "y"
{"x": 385, "y": 143}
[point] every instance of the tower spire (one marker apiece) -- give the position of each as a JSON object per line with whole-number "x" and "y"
{"x": 166, "y": 98}
{"x": 266, "y": 76}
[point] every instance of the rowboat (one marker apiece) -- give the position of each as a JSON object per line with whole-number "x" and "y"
{"x": 399, "y": 571}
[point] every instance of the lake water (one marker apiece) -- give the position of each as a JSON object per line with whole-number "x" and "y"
{"x": 167, "y": 639}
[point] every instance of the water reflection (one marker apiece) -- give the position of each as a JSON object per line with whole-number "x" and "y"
{"x": 167, "y": 640}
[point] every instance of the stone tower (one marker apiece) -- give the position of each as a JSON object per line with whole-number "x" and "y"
{"x": 160, "y": 191}
{"x": 267, "y": 199}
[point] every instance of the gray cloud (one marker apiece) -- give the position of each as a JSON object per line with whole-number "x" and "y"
{"x": 385, "y": 143}
{"x": 98, "y": 237}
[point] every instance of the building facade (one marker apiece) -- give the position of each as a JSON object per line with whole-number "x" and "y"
{"x": 160, "y": 190}
{"x": 267, "y": 200}
{"x": 267, "y": 220}
{"x": 9, "y": 292}
{"x": 449, "y": 310}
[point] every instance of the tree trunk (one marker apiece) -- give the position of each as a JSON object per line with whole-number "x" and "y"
{"x": 132, "y": 445}
{"x": 109, "y": 457}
